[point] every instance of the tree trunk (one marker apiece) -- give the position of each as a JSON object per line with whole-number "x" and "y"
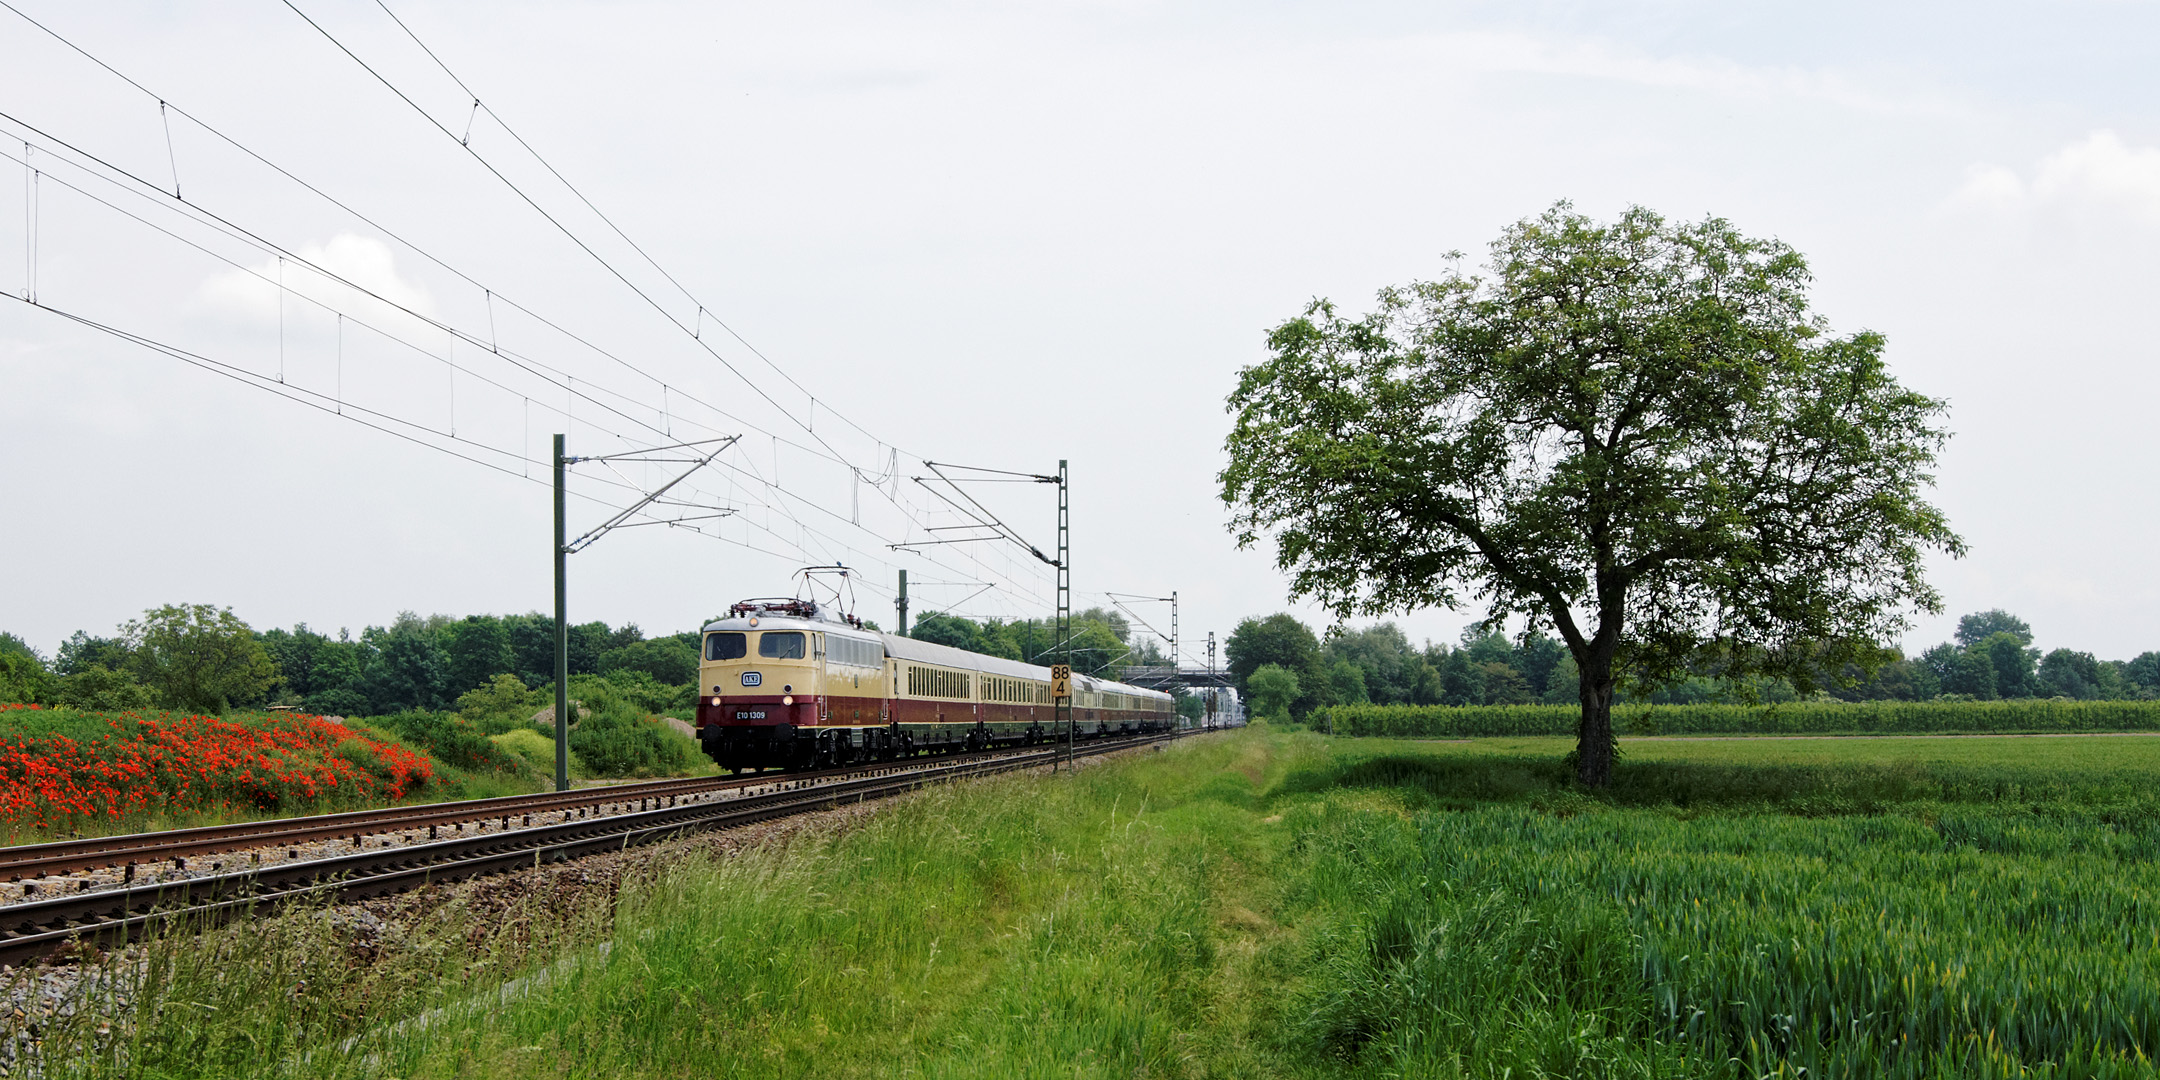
{"x": 1594, "y": 734}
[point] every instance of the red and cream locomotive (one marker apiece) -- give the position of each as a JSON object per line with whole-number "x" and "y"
{"x": 794, "y": 684}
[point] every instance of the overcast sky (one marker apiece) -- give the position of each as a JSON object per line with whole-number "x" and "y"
{"x": 987, "y": 234}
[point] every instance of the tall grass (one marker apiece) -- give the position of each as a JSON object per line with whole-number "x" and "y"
{"x": 1786, "y": 718}
{"x": 969, "y": 933}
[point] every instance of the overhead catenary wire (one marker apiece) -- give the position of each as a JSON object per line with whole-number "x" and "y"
{"x": 702, "y": 311}
{"x": 366, "y": 418}
{"x": 365, "y": 219}
{"x": 493, "y": 344}
{"x": 278, "y": 252}
{"x": 605, "y": 400}
{"x": 551, "y": 219}
{"x": 406, "y": 430}
{"x": 694, "y": 331}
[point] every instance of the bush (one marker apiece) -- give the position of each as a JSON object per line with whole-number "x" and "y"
{"x": 616, "y": 741}
{"x": 501, "y": 705}
{"x": 342, "y": 701}
{"x": 23, "y": 678}
{"x": 101, "y": 689}
{"x": 1273, "y": 688}
{"x": 537, "y": 751}
{"x": 451, "y": 740}
{"x": 503, "y": 695}
{"x": 1789, "y": 718}
{"x": 634, "y": 690}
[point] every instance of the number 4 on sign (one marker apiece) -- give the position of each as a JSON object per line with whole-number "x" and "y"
{"x": 1060, "y": 680}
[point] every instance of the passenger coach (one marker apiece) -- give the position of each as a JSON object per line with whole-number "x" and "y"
{"x": 790, "y": 683}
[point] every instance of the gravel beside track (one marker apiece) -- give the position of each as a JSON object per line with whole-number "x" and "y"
{"x": 108, "y": 904}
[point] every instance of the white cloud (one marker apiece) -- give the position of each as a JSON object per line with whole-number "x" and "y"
{"x": 2103, "y": 169}
{"x": 1989, "y": 187}
{"x": 1621, "y": 63}
{"x": 368, "y": 263}
{"x": 2099, "y": 173}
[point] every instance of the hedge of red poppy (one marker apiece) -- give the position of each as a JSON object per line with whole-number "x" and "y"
{"x": 61, "y": 766}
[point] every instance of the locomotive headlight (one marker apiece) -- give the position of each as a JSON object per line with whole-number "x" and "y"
{"x": 788, "y": 700}
{"x": 716, "y": 701}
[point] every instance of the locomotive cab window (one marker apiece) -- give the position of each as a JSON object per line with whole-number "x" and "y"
{"x": 782, "y": 644}
{"x": 726, "y": 646}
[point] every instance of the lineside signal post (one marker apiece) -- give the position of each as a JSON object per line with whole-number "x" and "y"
{"x": 1061, "y": 702}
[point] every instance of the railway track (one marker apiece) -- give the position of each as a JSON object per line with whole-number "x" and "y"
{"x": 37, "y": 929}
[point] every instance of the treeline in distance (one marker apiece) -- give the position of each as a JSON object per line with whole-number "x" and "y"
{"x": 1283, "y": 667}
{"x": 202, "y": 658}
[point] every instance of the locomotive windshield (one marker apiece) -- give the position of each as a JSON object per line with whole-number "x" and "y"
{"x": 726, "y": 646}
{"x": 781, "y": 644}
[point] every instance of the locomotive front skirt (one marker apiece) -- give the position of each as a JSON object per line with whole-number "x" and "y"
{"x": 788, "y": 684}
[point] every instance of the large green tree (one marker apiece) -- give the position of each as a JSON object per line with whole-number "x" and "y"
{"x": 475, "y": 650}
{"x": 1980, "y": 625}
{"x": 313, "y": 663}
{"x": 1282, "y": 640}
{"x": 1634, "y": 432}
{"x": 82, "y": 651}
{"x": 198, "y": 657}
{"x": 1391, "y": 666}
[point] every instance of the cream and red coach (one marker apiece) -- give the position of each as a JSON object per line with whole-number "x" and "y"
{"x": 790, "y": 683}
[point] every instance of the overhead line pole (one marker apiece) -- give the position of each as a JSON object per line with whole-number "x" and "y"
{"x": 1064, "y": 610}
{"x": 564, "y": 548}
{"x": 562, "y": 628}
{"x": 1062, "y": 715}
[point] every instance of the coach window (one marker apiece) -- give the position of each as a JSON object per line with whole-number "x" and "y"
{"x": 781, "y": 644}
{"x": 726, "y": 646}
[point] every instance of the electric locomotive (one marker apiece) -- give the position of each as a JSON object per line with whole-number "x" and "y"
{"x": 790, "y": 683}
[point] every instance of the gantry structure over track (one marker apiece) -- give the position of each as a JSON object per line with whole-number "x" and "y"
{"x": 1162, "y": 677}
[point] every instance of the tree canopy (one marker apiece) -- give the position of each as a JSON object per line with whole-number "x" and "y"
{"x": 1634, "y": 433}
{"x": 1980, "y": 625}
{"x": 199, "y": 657}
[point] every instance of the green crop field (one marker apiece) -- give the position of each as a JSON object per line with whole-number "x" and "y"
{"x": 1265, "y": 904}
{"x": 1786, "y": 718}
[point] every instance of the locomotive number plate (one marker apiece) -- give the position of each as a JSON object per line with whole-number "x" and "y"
{"x": 756, "y": 715}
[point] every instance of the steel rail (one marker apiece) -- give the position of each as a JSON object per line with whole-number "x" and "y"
{"x": 63, "y": 856}
{"x": 39, "y": 929}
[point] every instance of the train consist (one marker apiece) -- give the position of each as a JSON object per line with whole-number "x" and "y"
{"x": 793, "y": 684}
